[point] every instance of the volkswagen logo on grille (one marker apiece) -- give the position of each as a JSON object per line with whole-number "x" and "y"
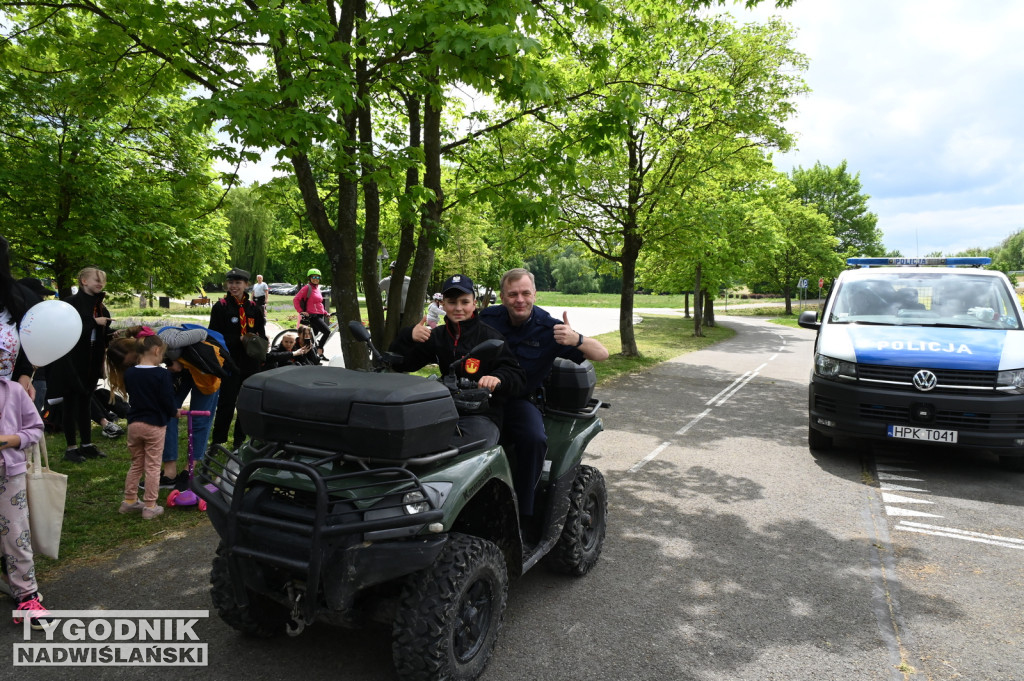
{"x": 925, "y": 380}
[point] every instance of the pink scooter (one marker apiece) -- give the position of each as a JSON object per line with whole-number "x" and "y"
{"x": 188, "y": 497}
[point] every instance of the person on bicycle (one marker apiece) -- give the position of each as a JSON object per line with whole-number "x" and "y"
{"x": 309, "y": 303}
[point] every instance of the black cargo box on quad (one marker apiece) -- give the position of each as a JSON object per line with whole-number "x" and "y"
{"x": 569, "y": 386}
{"x": 388, "y": 416}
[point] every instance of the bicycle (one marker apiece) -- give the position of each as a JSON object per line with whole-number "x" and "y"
{"x": 333, "y": 326}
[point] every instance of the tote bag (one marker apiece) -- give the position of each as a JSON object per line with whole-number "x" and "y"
{"x": 47, "y": 493}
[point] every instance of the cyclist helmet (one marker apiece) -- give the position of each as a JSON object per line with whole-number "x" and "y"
{"x": 313, "y": 272}
{"x": 438, "y": 296}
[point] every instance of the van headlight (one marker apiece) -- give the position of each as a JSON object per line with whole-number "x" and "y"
{"x": 834, "y": 369}
{"x": 1011, "y": 381}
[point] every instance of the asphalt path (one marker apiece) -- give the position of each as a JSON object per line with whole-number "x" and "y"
{"x": 732, "y": 552}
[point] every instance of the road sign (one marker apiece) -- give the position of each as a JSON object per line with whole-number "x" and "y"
{"x": 821, "y": 282}
{"x": 802, "y": 284}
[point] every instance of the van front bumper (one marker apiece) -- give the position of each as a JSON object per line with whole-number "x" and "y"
{"x": 990, "y": 420}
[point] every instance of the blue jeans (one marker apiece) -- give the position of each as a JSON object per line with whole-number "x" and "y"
{"x": 200, "y": 424}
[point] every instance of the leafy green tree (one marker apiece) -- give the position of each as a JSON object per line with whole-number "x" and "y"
{"x": 250, "y": 224}
{"x": 685, "y": 94}
{"x": 837, "y": 195}
{"x": 573, "y": 274}
{"x": 104, "y": 172}
{"x": 805, "y": 245}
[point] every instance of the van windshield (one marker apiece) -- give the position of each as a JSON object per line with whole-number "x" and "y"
{"x": 919, "y": 298}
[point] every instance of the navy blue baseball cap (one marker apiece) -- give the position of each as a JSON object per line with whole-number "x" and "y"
{"x": 458, "y": 282}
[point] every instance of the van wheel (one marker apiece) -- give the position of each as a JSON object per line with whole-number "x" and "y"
{"x": 818, "y": 440}
{"x": 579, "y": 547}
{"x": 449, "y": 614}
{"x": 1012, "y": 463}
{"x": 263, "y": 618}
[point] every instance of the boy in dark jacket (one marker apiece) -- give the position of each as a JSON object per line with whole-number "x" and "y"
{"x": 420, "y": 345}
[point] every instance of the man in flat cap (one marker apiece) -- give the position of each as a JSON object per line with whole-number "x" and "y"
{"x": 233, "y": 316}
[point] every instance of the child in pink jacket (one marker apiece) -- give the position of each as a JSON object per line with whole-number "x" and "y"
{"x": 20, "y": 426}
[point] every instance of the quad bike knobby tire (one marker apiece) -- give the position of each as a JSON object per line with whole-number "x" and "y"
{"x": 579, "y": 547}
{"x": 263, "y": 618}
{"x": 450, "y": 613}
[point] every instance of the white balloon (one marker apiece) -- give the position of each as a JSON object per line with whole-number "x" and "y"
{"x": 49, "y": 330}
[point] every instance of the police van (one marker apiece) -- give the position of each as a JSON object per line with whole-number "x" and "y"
{"x": 923, "y": 350}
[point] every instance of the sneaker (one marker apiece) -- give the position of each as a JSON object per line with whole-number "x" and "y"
{"x": 41, "y": 619}
{"x": 150, "y": 513}
{"x": 134, "y": 506}
{"x": 165, "y": 482}
{"x": 112, "y": 430}
{"x": 73, "y": 455}
{"x": 89, "y": 451}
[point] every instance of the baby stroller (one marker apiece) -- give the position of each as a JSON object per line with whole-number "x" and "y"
{"x": 188, "y": 497}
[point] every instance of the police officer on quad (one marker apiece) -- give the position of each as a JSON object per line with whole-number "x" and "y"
{"x": 536, "y": 339}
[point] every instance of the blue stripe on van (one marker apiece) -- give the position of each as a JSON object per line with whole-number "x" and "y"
{"x": 970, "y": 349}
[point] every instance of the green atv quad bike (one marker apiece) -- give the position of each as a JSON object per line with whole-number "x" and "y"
{"x": 352, "y": 503}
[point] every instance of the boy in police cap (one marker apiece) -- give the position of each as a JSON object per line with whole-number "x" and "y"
{"x": 420, "y": 345}
{"x": 233, "y": 316}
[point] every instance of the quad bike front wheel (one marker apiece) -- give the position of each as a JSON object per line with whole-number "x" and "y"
{"x": 263, "y": 618}
{"x": 579, "y": 547}
{"x": 449, "y": 614}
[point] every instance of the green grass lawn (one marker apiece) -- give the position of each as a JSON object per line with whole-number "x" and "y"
{"x": 92, "y": 524}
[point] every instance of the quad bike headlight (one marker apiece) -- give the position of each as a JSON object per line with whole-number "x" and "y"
{"x": 415, "y": 502}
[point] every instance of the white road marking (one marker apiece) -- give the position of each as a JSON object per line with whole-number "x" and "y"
{"x": 748, "y": 377}
{"x": 726, "y": 389}
{"x": 887, "y": 487}
{"x": 896, "y": 510}
{"x": 773, "y": 356}
{"x": 891, "y": 476}
{"x": 953, "y": 533}
{"x": 898, "y": 499}
{"x": 693, "y": 422}
{"x": 657, "y": 450}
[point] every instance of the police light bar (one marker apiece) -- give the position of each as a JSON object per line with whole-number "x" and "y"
{"x": 914, "y": 262}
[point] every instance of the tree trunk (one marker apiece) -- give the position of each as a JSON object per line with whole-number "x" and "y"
{"x": 430, "y": 220}
{"x": 627, "y": 334}
{"x": 686, "y": 304}
{"x": 787, "y": 293}
{"x": 709, "y": 309}
{"x": 697, "y": 304}
{"x": 371, "y": 200}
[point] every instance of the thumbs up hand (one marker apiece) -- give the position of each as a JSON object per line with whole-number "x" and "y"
{"x": 421, "y": 332}
{"x": 564, "y": 335}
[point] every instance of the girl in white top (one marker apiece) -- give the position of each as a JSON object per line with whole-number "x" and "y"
{"x": 434, "y": 311}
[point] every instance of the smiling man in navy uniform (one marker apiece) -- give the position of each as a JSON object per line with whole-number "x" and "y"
{"x": 536, "y": 339}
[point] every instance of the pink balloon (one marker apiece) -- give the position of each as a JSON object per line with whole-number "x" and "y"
{"x": 49, "y": 330}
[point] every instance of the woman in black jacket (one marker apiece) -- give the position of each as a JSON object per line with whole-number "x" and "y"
{"x": 75, "y": 376}
{"x": 462, "y": 330}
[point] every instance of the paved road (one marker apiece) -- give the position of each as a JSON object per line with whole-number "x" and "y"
{"x": 732, "y": 553}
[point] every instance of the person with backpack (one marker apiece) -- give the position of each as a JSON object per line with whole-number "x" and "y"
{"x": 309, "y": 303}
{"x": 234, "y": 316}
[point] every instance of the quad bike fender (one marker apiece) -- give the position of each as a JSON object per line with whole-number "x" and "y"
{"x": 567, "y": 440}
{"x": 467, "y": 475}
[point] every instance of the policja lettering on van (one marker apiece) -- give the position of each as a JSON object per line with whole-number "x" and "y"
{"x": 920, "y": 346}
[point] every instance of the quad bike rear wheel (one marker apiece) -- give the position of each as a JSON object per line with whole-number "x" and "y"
{"x": 263, "y": 618}
{"x": 579, "y": 547}
{"x": 449, "y": 614}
